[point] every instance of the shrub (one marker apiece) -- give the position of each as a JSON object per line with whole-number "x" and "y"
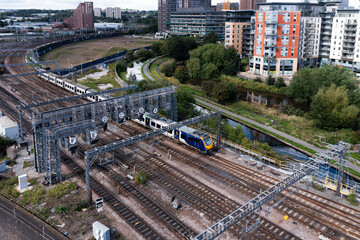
{"x": 352, "y": 199}
{"x": 62, "y": 209}
{"x": 140, "y": 177}
{"x": 168, "y": 69}
{"x": 290, "y": 110}
{"x": 61, "y": 190}
{"x": 80, "y": 205}
{"x": 182, "y": 74}
{"x": 280, "y": 82}
{"x": 121, "y": 67}
{"x": 258, "y": 80}
{"x": 270, "y": 80}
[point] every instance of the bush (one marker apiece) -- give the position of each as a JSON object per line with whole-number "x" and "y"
{"x": 258, "y": 80}
{"x": 156, "y": 47}
{"x": 61, "y": 190}
{"x": 80, "y": 205}
{"x": 270, "y": 80}
{"x": 121, "y": 67}
{"x": 280, "y": 82}
{"x": 290, "y": 110}
{"x": 143, "y": 53}
{"x": 62, "y": 209}
{"x": 140, "y": 177}
{"x": 168, "y": 69}
{"x": 208, "y": 87}
{"x": 182, "y": 74}
{"x": 352, "y": 199}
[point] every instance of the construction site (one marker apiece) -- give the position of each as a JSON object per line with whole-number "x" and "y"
{"x": 130, "y": 166}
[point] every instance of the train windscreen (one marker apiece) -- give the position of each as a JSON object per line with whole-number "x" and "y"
{"x": 207, "y": 140}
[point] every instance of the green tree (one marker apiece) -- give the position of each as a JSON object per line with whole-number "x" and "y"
{"x": 182, "y": 74}
{"x": 194, "y": 66}
{"x": 4, "y": 144}
{"x": 307, "y": 81}
{"x": 143, "y": 53}
{"x": 330, "y": 108}
{"x": 168, "y": 69}
{"x": 208, "y": 87}
{"x": 212, "y": 37}
{"x": 121, "y": 67}
{"x": 225, "y": 91}
{"x": 176, "y": 47}
{"x": 270, "y": 80}
{"x": 156, "y": 47}
{"x": 129, "y": 56}
{"x": 210, "y": 71}
{"x": 280, "y": 82}
{"x": 185, "y": 104}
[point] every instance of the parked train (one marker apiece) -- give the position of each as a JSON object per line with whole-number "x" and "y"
{"x": 70, "y": 86}
{"x": 186, "y": 135}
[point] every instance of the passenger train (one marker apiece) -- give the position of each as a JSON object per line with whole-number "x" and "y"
{"x": 186, "y": 135}
{"x": 70, "y": 86}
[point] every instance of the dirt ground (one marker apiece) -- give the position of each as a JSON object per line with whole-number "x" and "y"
{"x": 82, "y": 52}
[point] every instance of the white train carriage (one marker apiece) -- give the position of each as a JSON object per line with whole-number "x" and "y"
{"x": 70, "y": 86}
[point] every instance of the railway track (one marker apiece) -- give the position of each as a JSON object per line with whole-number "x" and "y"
{"x": 200, "y": 196}
{"x": 126, "y": 213}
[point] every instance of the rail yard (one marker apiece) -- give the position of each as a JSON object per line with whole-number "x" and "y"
{"x": 186, "y": 191}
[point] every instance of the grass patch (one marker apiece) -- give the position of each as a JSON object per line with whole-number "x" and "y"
{"x": 318, "y": 187}
{"x": 90, "y": 71}
{"x": 62, "y": 209}
{"x": 80, "y": 205}
{"x": 7, "y": 186}
{"x": 355, "y": 155}
{"x": 34, "y": 196}
{"x": 109, "y": 78}
{"x": 28, "y": 164}
{"x": 62, "y": 189}
{"x": 352, "y": 199}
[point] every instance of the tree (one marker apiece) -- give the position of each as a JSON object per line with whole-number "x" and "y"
{"x": 182, "y": 74}
{"x": 270, "y": 80}
{"x": 168, "y": 69}
{"x": 330, "y": 108}
{"x": 210, "y": 71}
{"x": 185, "y": 104}
{"x": 280, "y": 82}
{"x": 121, "y": 67}
{"x": 212, "y": 37}
{"x": 129, "y": 56}
{"x": 208, "y": 87}
{"x": 307, "y": 81}
{"x": 156, "y": 47}
{"x": 225, "y": 91}
{"x": 194, "y": 67}
{"x": 176, "y": 47}
{"x": 143, "y": 53}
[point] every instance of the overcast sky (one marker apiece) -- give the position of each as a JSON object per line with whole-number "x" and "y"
{"x": 71, "y": 4}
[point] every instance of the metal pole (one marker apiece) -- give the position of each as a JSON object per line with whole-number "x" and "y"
{"x": 88, "y": 189}
{"x": 21, "y": 126}
{"x": 218, "y": 131}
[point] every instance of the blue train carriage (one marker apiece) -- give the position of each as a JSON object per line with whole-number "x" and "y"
{"x": 194, "y": 138}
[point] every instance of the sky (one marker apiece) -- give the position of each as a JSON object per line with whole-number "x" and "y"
{"x": 72, "y": 4}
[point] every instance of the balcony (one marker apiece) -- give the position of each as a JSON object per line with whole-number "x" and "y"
{"x": 350, "y": 29}
{"x": 271, "y": 33}
{"x": 326, "y": 33}
{"x": 271, "y": 21}
{"x": 326, "y": 43}
{"x": 325, "y": 49}
{"x": 349, "y": 40}
{"x": 350, "y": 24}
{"x": 326, "y": 39}
{"x": 269, "y": 45}
{"x": 349, "y": 46}
{"x": 327, "y": 22}
{"x": 327, "y": 27}
{"x": 348, "y": 56}
{"x": 347, "y": 52}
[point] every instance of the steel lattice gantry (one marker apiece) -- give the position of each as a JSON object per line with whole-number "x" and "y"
{"x": 255, "y": 203}
{"x": 117, "y": 109}
{"x": 125, "y": 142}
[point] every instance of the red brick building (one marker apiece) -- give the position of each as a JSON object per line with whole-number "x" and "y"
{"x": 250, "y": 4}
{"x": 83, "y": 17}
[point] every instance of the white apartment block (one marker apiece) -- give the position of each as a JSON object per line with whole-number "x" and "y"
{"x": 113, "y": 12}
{"x": 345, "y": 39}
{"x": 97, "y": 12}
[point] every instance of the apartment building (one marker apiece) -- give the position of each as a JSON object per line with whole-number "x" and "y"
{"x": 197, "y": 22}
{"x": 276, "y": 45}
{"x": 250, "y": 4}
{"x": 193, "y": 3}
{"x": 113, "y": 12}
{"x": 239, "y": 32}
{"x": 345, "y": 39}
{"x": 97, "y": 12}
{"x": 82, "y": 18}
{"x": 165, "y": 8}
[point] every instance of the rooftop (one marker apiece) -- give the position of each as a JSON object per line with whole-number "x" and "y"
{"x": 6, "y": 122}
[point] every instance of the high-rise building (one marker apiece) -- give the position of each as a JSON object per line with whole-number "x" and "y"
{"x": 250, "y": 4}
{"x": 113, "y": 12}
{"x": 197, "y": 22}
{"x": 276, "y": 43}
{"x": 165, "y": 8}
{"x": 193, "y": 3}
{"x": 97, "y": 12}
{"x": 228, "y": 6}
{"x": 83, "y": 17}
{"x": 238, "y": 33}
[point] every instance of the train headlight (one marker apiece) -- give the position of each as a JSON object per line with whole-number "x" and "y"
{"x": 72, "y": 140}
{"x": 93, "y": 134}
{"x": 155, "y": 110}
{"x": 141, "y": 110}
{"x": 121, "y": 115}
